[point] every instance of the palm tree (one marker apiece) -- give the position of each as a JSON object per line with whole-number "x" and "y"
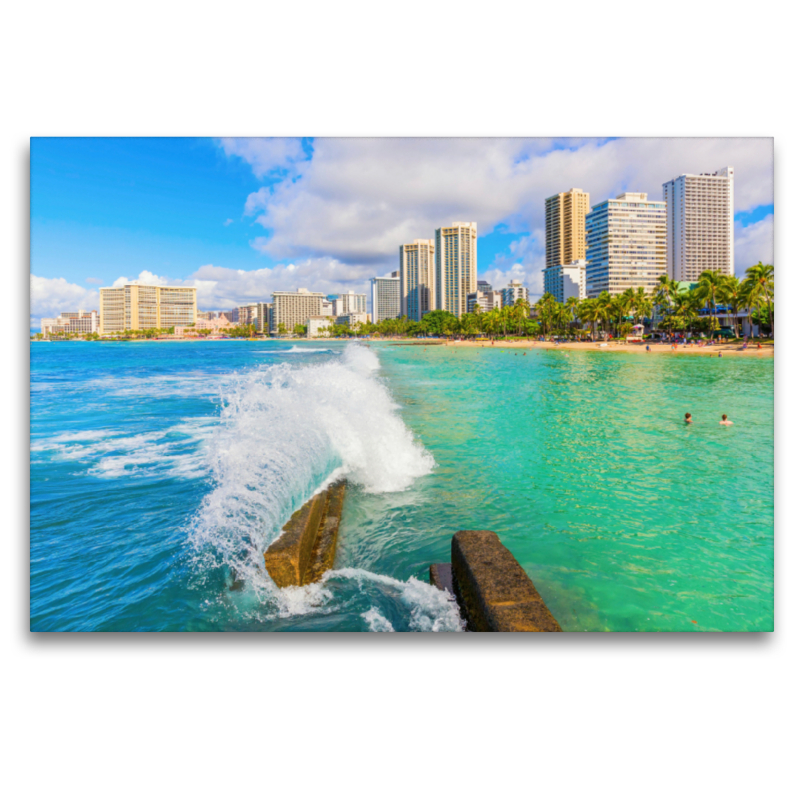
{"x": 642, "y": 305}
{"x": 520, "y": 311}
{"x": 591, "y": 311}
{"x": 735, "y": 295}
{"x": 710, "y": 287}
{"x": 571, "y": 303}
{"x": 761, "y": 278}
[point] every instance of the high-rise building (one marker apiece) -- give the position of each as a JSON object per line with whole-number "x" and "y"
{"x": 72, "y": 322}
{"x": 264, "y": 312}
{"x": 566, "y": 281}
{"x": 136, "y": 306}
{"x": 350, "y": 303}
{"x": 565, "y": 228}
{"x": 513, "y": 292}
{"x": 484, "y": 301}
{"x": 385, "y": 298}
{"x": 626, "y": 243}
{"x": 294, "y": 308}
{"x": 456, "y": 249}
{"x": 248, "y": 315}
{"x": 417, "y": 279}
{"x": 484, "y": 286}
{"x": 699, "y": 224}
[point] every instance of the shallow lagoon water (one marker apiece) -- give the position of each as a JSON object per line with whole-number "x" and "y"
{"x": 158, "y": 470}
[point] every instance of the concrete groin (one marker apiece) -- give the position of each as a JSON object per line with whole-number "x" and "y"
{"x": 306, "y": 548}
{"x": 493, "y": 592}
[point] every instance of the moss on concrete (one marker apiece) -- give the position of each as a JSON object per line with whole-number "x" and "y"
{"x": 306, "y": 548}
{"x": 493, "y": 591}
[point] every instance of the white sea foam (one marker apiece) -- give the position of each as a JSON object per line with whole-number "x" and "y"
{"x": 283, "y": 431}
{"x": 296, "y": 349}
{"x": 176, "y": 451}
{"x": 377, "y": 622}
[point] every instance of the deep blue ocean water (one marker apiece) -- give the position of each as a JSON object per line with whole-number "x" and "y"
{"x": 161, "y": 470}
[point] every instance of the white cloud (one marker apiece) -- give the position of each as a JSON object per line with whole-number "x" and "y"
{"x": 525, "y": 263}
{"x": 227, "y": 222}
{"x": 145, "y": 276}
{"x": 752, "y": 244}
{"x": 52, "y": 296}
{"x": 265, "y": 156}
{"x": 221, "y": 288}
{"x": 97, "y": 281}
{"x": 357, "y": 200}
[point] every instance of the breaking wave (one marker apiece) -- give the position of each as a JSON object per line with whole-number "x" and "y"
{"x": 284, "y": 432}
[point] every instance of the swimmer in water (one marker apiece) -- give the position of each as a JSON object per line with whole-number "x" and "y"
{"x": 725, "y": 420}
{"x": 687, "y": 418}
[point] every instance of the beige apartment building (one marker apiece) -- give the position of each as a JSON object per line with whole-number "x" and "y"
{"x": 417, "y": 279}
{"x": 456, "y": 250}
{"x": 565, "y": 227}
{"x": 294, "y": 308}
{"x": 136, "y": 306}
{"x": 699, "y": 224}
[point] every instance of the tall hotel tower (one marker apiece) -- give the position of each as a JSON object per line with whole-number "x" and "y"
{"x": 565, "y": 227}
{"x": 699, "y": 224}
{"x": 456, "y": 266}
{"x": 626, "y": 244}
{"x": 417, "y": 279}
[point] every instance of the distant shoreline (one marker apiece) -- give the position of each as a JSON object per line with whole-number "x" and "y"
{"x": 656, "y": 348}
{"x": 614, "y": 347}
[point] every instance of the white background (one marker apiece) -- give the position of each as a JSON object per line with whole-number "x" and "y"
{"x": 618, "y": 716}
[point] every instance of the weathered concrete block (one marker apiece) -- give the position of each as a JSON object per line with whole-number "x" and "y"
{"x": 492, "y": 589}
{"x": 287, "y": 558}
{"x": 442, "y": 577}
{"x": 325, "y": 547}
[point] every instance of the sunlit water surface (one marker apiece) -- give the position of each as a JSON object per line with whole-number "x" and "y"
{"x": 159, "y": 471}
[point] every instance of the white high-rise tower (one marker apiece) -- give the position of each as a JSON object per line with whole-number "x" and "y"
{"x": 699, "y": 224}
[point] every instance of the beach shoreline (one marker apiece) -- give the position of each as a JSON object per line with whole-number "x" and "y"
{"x": 767, "y": 350}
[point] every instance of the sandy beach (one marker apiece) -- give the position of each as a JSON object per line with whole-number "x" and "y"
{"x": 767, "y": 350}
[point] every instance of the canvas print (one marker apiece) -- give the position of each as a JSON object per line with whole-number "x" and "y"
{"x": 401, "y": 385}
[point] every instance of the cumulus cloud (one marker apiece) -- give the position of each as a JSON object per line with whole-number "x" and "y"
{"x": 753, "y": 243}
{"x": 145, "y": 276}
{"x": 525, "y": 263}
{"x": 265, "y": 156}
{"x": 52, "y": 296}
{"x": 221, "y": 288}
{"x": 357, "y": 200}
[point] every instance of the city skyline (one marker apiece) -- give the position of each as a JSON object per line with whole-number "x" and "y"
{"x": 329, "y": 214}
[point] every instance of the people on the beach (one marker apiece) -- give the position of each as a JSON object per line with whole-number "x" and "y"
{"x": 687, "y": 418}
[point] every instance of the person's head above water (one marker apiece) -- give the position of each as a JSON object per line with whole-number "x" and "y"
{"x": 687, "y": 416}
{"x": 724, "y": 416}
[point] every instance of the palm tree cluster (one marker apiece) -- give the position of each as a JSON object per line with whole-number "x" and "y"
{"x": 514, "y": 319}
{"x": 676, "y": 309}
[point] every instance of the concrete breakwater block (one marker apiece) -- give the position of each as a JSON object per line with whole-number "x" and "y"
{"x": 442, "y": 577}
{"x": 493, "y": 591}
{"x": 307, "y": 547}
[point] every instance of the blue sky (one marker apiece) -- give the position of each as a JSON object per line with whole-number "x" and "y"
{"x": 241, "y": 218}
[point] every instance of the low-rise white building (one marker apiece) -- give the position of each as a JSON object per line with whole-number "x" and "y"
{"x": 567, "y": 280}
{"x": 353, "y": 320}
{"x": 318, "y": 326}
{"x": 71, "y": 322}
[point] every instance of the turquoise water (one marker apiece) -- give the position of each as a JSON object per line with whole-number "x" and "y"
{"x": 160, "y": 470}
